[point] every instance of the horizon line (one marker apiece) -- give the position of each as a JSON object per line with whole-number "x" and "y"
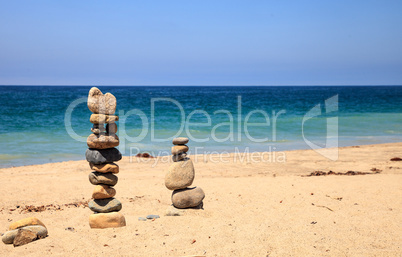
{"x": 297, "y": 85}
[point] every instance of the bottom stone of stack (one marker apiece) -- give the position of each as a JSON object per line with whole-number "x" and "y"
{"x": 107, "y": 220}
{"x": 187, "y": 197}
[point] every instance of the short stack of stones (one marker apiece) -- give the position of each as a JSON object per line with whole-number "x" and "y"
{"x": 101, "y": 156}
{"x": 180, "y": 177}
{"x": 24, "y": 231}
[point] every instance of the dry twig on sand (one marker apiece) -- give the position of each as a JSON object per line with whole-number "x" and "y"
{"x": 55, "y": 207}
{"x": 349, "y": 173}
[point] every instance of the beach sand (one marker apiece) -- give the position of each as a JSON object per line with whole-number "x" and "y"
{"x": 251, "y": 208}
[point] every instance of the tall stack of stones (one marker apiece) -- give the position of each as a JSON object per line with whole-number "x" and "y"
{"x": 101, "y": 156}
{"x": 180, "y": 177}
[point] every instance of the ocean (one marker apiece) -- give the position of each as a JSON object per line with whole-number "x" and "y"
{"x": 41, "y": 124}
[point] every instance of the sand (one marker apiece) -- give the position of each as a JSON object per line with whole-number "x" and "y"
{"x": 251, "y": 208}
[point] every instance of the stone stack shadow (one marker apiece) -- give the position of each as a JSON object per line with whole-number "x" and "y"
{"x": 101, "y": 156}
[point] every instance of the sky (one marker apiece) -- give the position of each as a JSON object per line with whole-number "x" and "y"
{"x": 206, "y": 42}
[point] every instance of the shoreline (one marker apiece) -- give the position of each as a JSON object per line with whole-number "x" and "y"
{"x": 222, "y": 152}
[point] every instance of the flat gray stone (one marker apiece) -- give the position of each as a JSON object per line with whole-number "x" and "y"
{"x": 100, "y": 156}
{"x": 8, "y": 237}
{"x": 142, "y": 219}
{"x": 97, "y": 178}
{"x": 105, "y": 205}
{"x": 150, "y": 217}
{"x": 188, "y": 197}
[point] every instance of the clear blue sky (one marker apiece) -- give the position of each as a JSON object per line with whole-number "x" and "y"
{"x": 54, "y": 42}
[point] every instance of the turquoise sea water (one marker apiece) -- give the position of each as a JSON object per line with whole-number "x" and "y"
{"x": 34, "y": 125}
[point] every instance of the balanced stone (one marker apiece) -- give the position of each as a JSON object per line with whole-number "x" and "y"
{"x": 24, "y": 237}
{"x": 177, "y": 149}
{"x": 188, "y": 197}
{"x": 102, "y": 141}
{"x": 180, "y": 175}
{"x": 105, "y": 205}
{"x": 105, "y": 168}
{"x": 103, "y": 191}
{"x": 107, "y": 220}
{"x": 97, "y": 178}
{"x": 180, "y": 140}
{"x": 101, "y": 103}
{"x": 102, "y": 118}
{"x": 99, "y": 156}
{"x": 8, "y": 237}
{"x": 111, "y": 128}
{"x": 179, "y": 157}
{"x": 98, "y": 128}
{"x": 25, "y": 222}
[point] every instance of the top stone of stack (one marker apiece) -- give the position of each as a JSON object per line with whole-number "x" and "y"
{"x": 180, "y": 141}
{"x": 99, "y": 103}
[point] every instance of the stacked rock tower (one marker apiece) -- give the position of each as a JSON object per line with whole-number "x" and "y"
{"x": 180, "y": 177}
{"x": 101, "y": 156}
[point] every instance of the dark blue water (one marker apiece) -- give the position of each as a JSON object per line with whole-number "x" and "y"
{"x": 33, "y": 128}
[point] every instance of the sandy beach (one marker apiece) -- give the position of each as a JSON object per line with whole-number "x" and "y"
{"x": 251, "y": 208}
